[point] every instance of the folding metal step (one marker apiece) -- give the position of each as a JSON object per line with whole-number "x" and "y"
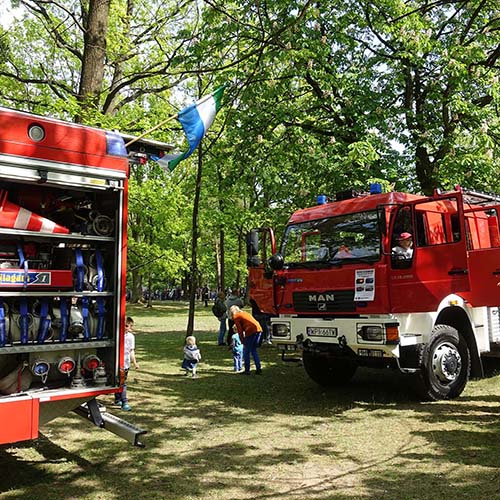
{"x": 96, "y": 413}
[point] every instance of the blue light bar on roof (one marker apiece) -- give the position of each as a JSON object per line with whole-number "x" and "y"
{"x": 115, "y": 145}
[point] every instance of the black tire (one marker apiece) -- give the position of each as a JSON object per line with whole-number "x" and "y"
{"x": 328, "y": 372}
{"x": 444, "y": 365}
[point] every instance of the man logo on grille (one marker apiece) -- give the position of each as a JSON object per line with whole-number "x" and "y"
{"x": 321, "y": 297}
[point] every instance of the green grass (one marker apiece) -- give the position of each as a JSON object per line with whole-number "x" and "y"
{"x": 277, "y": 436}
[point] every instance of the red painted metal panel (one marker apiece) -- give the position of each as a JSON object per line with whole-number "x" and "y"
{"x": 354, "y": 205}
{"x": 64, "y": 142}
{"x": 61, "y": 395}
{"x": 18, "y": 420}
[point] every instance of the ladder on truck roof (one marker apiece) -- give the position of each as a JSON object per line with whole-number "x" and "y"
{"x": 474, "y": 197}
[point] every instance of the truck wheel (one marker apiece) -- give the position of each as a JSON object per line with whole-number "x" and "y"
{"x": 444, "y": 365}
{"x": 328, "y": 372}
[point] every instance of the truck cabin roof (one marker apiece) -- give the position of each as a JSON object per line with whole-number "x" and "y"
{"x": 352, "y": 205}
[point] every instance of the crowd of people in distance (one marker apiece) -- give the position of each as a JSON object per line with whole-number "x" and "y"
{"x": 202, "y": 294}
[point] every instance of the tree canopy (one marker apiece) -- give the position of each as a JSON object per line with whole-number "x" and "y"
{"x": 322, "y": 96}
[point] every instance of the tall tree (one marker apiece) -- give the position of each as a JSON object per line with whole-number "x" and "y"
{"x": 95, "y": 26}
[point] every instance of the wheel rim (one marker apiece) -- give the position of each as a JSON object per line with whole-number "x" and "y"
{"x": 446, "y": 363}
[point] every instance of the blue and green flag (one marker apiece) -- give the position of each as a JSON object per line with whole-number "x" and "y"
{"x": 195, "y": 120}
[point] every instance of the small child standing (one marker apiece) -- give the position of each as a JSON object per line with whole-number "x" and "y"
{"x": 128, "y": 358}
{"x": 192, "y": 356}
{"x": 237, "y": 348}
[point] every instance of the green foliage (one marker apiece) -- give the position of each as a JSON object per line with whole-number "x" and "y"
{"x": 156, "y": 247}
{"x": 323, "y": 97}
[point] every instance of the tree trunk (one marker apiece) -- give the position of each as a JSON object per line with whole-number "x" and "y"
{"x": 109, "y": 106}
{"x": 94, "y": 54}
{"x": 240, "y": 256}
{"x": 136, "y": 286}
{"x": 222, "y": 284}
{"x": 194, "y": 248}
{"x": 150, "y": 290}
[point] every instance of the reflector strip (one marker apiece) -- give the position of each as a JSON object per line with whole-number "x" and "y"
{"x": 22, "y": 219}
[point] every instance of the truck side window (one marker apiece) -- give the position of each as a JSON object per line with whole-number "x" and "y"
{"x": 402, "y": 240}
{"x": 455, "y": 227}
{"x": 437, "y": 222}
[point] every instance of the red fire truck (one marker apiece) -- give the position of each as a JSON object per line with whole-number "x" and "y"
{"x": 344, "y": 290}
{"x": 63, "y": 236}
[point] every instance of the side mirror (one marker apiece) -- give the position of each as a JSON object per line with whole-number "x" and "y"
{"x": 276, "y": 262}
{"x": 253, "y": 261}
{"x": 253, "y": 243}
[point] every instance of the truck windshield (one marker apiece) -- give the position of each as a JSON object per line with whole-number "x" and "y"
{"x": 333, "y": 240}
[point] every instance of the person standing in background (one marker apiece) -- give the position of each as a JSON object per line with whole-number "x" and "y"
{"x": 205, "y": 294}
{"x": 220, "y": 311}
{"x": 233, "y": 299}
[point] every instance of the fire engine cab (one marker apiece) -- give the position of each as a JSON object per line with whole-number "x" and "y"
{"x": 385, "y": 280}
{"x": 63, "y": 236}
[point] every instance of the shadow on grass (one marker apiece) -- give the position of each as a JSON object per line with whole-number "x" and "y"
{"x": 204, "y": 437}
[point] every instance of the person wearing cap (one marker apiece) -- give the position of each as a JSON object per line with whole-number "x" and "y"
{"x": 404, "y": 248}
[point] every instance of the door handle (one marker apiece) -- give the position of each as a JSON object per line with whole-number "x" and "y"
{"x": 454, "y": 272}
{"x": 495, "y": 273}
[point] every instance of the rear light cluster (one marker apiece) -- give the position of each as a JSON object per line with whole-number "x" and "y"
{"x": 378, "y": 333}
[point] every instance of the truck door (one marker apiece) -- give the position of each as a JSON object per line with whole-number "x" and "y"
{"x": 260, "y": 246}
{"x": 438, "y": 264}
{"x": 482, "y": 225}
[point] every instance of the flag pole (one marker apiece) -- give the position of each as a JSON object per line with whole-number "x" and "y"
{"x": 135, "y": 139}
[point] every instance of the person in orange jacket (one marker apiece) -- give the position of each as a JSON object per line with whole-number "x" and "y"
{"x": 250, "y": 333}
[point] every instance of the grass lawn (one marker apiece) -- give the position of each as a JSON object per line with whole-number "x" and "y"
{"x": 274, "y": 436}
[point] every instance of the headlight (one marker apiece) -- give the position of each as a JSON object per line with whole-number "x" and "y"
{"x": 281, "y": 330}
{"x": 371, "y": 333}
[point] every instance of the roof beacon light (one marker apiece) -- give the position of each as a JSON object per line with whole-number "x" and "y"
{"x": 321, "y": 199}
{"x": 115, "y": 145}
{"x": 375, "y": 188}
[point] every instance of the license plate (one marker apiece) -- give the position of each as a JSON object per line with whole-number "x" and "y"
{"x": 319, "y": 331}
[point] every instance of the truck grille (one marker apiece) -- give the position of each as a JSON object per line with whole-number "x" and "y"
{"x": 338, "y": 301}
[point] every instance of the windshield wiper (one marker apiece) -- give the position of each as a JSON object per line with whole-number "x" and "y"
{"x": 347, "y": 260}
{"x": 313, "y": 264}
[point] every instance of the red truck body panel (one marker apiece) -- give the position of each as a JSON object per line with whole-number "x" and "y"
{"x": 69, "y": 175}
{"x": 64, "y": 142}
